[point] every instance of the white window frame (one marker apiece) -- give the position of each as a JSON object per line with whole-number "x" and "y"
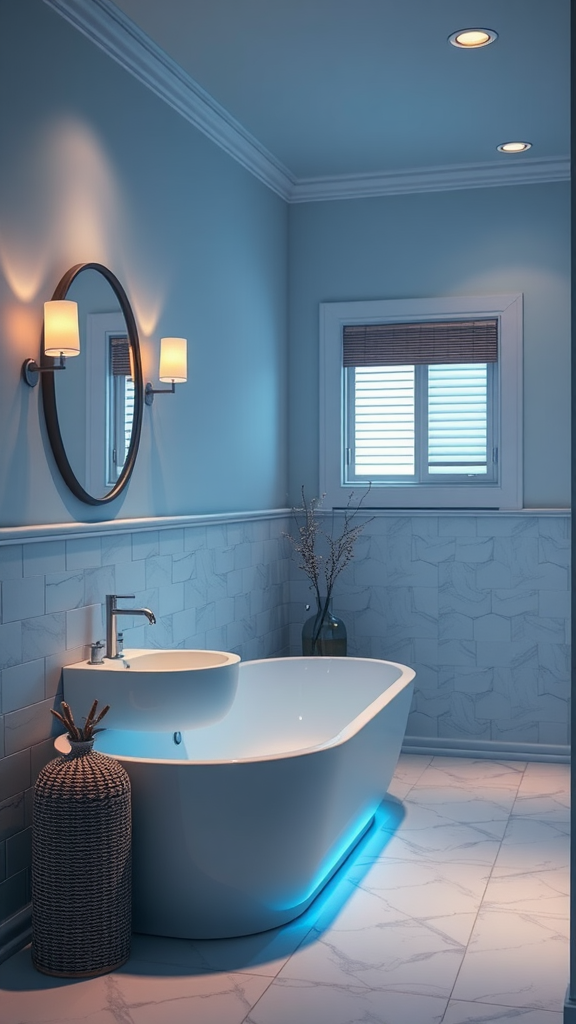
{"x": 506, "y": 492}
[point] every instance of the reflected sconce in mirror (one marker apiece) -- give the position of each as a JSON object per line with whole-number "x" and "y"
{"x": 61, "y": 338}
{"x": 173, "y": 368}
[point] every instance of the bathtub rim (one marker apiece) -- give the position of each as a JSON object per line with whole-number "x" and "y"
{"x": 406, "y": 676}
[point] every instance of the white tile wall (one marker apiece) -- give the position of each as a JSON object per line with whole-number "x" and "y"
{"x": 479, "y": 605}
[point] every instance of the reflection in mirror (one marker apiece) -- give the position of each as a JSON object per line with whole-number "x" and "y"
{"x": 119, "y": 402}
{"x": 94, "y": 424}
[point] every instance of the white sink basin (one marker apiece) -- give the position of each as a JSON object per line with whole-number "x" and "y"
{"x": 160, "y": 691}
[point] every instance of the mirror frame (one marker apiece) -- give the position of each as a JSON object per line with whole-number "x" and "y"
{"x": 49, "y": 393}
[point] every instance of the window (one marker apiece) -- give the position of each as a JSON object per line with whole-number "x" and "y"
{"x": 419, "y": 401}
{"x": 423, "y": 399}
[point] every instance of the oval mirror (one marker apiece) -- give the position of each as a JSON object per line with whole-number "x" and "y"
{"x": 93, "y": 410}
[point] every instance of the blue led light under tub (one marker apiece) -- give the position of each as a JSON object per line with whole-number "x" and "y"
{"x": 330, "y": 864}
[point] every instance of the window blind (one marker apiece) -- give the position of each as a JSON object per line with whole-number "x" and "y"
{"x": 450, "y": 341}
{"x": 128, "y": 414}
{"x": 384, "y": 426}
{"x": 454, "y": 435}
{"x": 458, "y": 419}
{"x": 120, "y": 357}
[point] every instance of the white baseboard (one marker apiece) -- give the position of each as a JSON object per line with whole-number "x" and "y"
{"x": 15, "y": 932}
{"x": 495, "y": 750}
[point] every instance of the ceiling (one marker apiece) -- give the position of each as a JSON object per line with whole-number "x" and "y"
{"x": 326, "y": 99}
{"x": 349, "y": 87}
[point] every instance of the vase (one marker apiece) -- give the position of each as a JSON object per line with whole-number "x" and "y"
{"x": 81, "y": 865}
{"x": 324, "y": 634}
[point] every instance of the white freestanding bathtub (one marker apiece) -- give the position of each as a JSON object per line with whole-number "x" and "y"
{"x": 237, "y": 825}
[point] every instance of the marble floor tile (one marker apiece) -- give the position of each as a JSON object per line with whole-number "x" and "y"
{"x": 459, "y": 1012}
{"x": 544, "y": 796}
{"x": 292, "y": 1001}
{"x": 445, "y": 771}
{"x": 516, "y": 960}
{"x": 359, "y": 903}
{"x": 425, "y": 889}
{"x": 529, "y": 892}
{"x": 458, "y": 804}
{"x": 370, "y": 944}
{"x": 427, "y": 834}
{"x": 548, "y": 769}
{"x": 135, "y": 994}
{"x": 552, "y": 805}
{"x": 180, "y": 999}
{"x": 533, "y": 845}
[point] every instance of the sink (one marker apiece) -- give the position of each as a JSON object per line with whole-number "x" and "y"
{"x": 160, "y": 691}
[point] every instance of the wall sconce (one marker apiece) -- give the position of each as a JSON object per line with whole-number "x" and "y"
{"x": 61, "y": 338}
{"x": 173, "y": 367}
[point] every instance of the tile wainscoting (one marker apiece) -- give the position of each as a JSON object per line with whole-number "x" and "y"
{"x": 477, "y": 603}
{"x": 212, "y": 581}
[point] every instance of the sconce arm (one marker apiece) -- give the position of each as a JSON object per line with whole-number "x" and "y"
{"x": 149, "y": 392}
{"x": 31, "y": 370}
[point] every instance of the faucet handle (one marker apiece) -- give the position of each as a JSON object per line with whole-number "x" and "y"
{"x": 124, "y": 597}
{"x": 96, "y": 653}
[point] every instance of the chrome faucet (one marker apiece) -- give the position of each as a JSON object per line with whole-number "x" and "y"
{"x": 112, "y": 611}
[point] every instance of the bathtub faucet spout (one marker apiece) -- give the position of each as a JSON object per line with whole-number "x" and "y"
{"x": 112, "y": 611}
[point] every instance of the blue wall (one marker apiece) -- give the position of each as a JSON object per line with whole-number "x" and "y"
{"x": 93, "y": 166}
{"x": 473, "y": 242}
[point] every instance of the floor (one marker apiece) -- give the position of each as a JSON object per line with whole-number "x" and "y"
{"x": 453, "y": 910}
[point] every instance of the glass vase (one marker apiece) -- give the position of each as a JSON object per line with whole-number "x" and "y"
{"x": 324, "y": 634}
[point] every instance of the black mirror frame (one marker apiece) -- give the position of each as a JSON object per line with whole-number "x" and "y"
{"x": 49, "y": 393}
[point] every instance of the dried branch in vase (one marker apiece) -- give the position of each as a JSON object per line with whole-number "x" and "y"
{"x": 79, "y": 734}
{"x": 323, "y": 569}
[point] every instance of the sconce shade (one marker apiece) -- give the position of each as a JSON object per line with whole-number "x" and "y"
{"x": 61, "y": 333}
{"x": 173, "y": 360}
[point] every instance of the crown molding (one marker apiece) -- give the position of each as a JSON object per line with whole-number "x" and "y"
{"x": 110, "y": 29}
{"x": 118, "y": 36}
{"x": 432, "y": 179}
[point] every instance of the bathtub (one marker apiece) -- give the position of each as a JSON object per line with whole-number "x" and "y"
{"x": 237, "y": 825}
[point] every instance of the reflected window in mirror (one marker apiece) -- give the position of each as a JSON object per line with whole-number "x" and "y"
{"x": 119, "y": 404}
{"x": 111, "y": 399}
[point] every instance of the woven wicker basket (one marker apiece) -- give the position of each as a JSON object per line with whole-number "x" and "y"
{"x": 81, "y": 868}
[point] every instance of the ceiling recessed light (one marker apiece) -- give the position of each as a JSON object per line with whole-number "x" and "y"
{"x": 514, "y": 147}
{"x": 471, "y": 38}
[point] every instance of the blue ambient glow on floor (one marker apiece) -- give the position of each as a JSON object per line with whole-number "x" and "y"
{"x": 378, "y": 823}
